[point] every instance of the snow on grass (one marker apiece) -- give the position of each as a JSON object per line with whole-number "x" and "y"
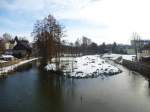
{"x": 86, "y": 66}
{"x": 50, "y": 67}
{"x": 122, "y": 56}
{"x": 12, "y": 67}
{"x": 2, "y": 61}
{"x": 7, "y": 56}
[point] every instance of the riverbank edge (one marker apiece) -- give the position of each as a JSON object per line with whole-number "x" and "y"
{"x": 6, "y": 70}
{"x": 137, "y": 67}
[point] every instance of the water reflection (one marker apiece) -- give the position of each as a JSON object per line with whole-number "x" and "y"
{"x": 37, "y": 91}
{"x": 138, "y": 84}
{"x": 24, "y": 67}
{"x": 51, "y": 94}
{"x": 53, "y": 89}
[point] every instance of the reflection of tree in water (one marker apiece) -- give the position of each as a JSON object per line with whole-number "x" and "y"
{"x": 148, "y": 83}
{"x": 148, "y": 86}
{"x": 24, "y": 67}
{"x": 52, "y": 91}
{"x": 27, "y": 66}
{"x": 137, "y": 82}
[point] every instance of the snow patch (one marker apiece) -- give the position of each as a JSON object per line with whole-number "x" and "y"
{"x": 7, "y": 56}
{"x": 50, "y": 67}
{"x": 2, "y": 61}
{"x": 12, "y": 67}
{"x": 86, "y": 66}
{"x": 117, "y": 56}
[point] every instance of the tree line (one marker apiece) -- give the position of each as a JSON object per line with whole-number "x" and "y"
{"x": 48, "y": 35}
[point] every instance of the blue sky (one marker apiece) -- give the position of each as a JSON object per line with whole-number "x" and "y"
{"x": 101, "y": 20}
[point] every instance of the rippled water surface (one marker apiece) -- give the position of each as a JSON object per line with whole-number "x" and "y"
{"x": 34, "y": 91}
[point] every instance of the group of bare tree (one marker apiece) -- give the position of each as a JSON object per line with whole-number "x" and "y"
{"x": 87, "y": 46}
{"x": 2, "y": 46}
{"x": 136, "y": 44}
{"x": 6, "y": 37}
{"x": 47, "y": 35}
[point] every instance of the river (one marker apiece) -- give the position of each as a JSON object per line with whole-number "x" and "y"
{"x": 30, "y": 90}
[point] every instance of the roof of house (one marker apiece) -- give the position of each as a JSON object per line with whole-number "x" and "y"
{"x": 22, "y": 45}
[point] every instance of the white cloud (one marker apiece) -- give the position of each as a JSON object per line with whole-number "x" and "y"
{"x": 27, "y": 5}
{"x": 121, "y": 17}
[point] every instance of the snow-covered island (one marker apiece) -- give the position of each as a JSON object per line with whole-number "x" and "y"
{"x": 85, "y": 66}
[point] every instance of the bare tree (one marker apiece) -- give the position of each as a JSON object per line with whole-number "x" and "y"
{"x": 2, "y": 45}
{"x": 86, "y": 41}
{"x": 47, "y": 34}
{"x": 7, "y": 37}
{"x": 77, "y": 42}
{"x": 136, "y": 43}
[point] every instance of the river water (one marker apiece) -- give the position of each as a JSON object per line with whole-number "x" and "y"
{"x": 30, "y": 90}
